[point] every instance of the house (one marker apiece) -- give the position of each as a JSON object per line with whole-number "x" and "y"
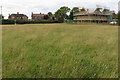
{"x": 18, "y": 16}
{"x": 97, "y": 15}
{"x": 42, "y": 17}
{"x": 39, "y": 16}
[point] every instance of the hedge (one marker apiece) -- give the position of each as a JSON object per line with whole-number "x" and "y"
{"x": 7, "y": 21}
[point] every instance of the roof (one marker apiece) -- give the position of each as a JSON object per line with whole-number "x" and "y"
{"x": 101, "y": 11}
{"x": 91, "y": 10}
{"x": 18, "y": 15}
{"x": 39, "y": 14}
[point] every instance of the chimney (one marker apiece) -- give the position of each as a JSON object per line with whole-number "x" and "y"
{"x": 32, "y": 13}
{"x": 17, "y": 12}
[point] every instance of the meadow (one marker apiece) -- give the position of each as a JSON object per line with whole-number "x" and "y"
{"x": 60, "y": 51}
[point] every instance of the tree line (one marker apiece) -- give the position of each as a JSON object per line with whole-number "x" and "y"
{"x": 61, "y": 14}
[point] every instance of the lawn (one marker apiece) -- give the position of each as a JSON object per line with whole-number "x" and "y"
{"x": 60, "y": 51}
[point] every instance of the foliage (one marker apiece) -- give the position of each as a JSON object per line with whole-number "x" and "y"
{"x": 7, "y": 21}
{"x": 73, "y": 11}
{"x": 50, "y": 13}
{"x": 51, "y": 16}
{"x": 61, "y": 13}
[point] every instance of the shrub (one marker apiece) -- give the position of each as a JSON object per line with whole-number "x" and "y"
{"x": 8, "y": 21}
{"x": 21, "y": 21}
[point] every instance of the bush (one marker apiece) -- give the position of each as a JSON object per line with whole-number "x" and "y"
{"x": 35, "y": 21}
{"x": 21, "y": 21}
{"x": 7, "y": 21}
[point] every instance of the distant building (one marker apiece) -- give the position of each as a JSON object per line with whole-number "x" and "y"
{"x": 39, "y": 16}
{"x": 97, "y": 15}
{"x": 18, "y": 16}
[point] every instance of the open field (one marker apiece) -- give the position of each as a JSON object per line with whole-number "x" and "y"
{"x": 60, "y": 51}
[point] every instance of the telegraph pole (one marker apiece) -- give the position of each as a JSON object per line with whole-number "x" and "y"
{"x": 1, "y": 43}
{"x": 1, "y": 10}
{"x": 1, "y": 15}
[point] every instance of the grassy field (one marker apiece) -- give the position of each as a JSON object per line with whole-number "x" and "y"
{"x": 60, "y": 51}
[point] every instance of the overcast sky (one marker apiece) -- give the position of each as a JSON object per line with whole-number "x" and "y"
{"x": 45, "y": 6}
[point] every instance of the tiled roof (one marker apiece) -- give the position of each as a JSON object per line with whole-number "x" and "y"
{"x": 94, "y": 10}
{"x": 18, "y": 15}
{"x": 39, "y": 14}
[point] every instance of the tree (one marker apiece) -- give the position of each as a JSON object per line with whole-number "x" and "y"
{"x": 61, "y": 13}
{"x": 50, "y": 13}
{"x": 73, "y": 11}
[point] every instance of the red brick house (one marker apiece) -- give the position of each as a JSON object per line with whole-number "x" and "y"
{"x": 39, "y": 16}
{"x": 18, "y": 16}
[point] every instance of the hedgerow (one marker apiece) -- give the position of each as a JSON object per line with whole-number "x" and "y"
{"x": 8, "y": 21}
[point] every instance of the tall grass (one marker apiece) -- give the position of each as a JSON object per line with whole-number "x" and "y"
{"x": 60, "y": 51}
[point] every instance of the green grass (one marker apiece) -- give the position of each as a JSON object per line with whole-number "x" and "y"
{"x": 60, "y": 51}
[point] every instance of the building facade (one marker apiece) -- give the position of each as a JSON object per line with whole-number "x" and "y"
{"x": 97, "y": 15}
{"x": 42, "y": 17}
{"x": 39, "y": 16}
{"x": 18, "y": 16}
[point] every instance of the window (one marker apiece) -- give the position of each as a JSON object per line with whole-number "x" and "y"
{"x": 12, "y": 17}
